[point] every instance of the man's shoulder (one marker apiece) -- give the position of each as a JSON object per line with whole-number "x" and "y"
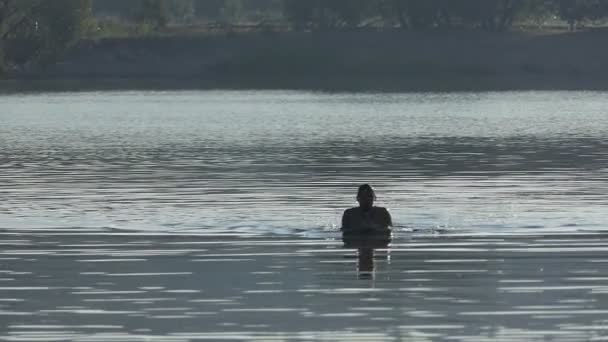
{"x": 351, "y": 211}
{"x": 357, "y": 209}
{"x": 383, "y": 212}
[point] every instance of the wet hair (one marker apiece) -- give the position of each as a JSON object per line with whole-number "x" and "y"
{"x": 366, "y": 187}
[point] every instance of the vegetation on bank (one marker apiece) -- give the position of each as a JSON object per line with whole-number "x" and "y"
{"x": 38, "y": 31}
{"x": 34, "y": 32}
{"x": 491, "y": 15}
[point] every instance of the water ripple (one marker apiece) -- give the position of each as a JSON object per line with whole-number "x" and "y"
{"x": 554, "y": 294}
{"x": 228, "y": 163}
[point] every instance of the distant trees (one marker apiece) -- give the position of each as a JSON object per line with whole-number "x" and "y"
{"x": 40, "y": 30}
{"x": 181, "y": 10}
{"x": 119, "y": 8}
{"x": 161, "y": 12}
{"x": 13, "y": 18}
{"x": 537, "y": 12}
{"x": 575, "y": 11}
{"x": 492, "y": 15}
{"x": 154, "y": 13}
{"x": 208, "y": 8}
{"x": 319, "y": 14}
{"x": 489, "y": 15}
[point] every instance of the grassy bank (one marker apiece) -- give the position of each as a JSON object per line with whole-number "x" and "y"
{"x": 401, "y": 61}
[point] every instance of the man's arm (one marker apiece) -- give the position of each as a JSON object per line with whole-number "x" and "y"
{"x": 345, "y": 221}
{"x": 388, "y": 219}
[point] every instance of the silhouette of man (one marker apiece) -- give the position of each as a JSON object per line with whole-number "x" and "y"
{"x": 366, "y": 219}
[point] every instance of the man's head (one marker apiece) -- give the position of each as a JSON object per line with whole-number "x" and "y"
{"x": 366, "y": 196}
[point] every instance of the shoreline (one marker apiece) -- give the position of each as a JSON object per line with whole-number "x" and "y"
{"x": 332, "y": 61}
{"x": 346, "y": 84}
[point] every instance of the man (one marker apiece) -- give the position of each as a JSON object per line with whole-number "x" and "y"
{"x": 366, "y": 219}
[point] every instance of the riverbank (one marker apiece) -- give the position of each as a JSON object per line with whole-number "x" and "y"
{"x": 349, "y": 61}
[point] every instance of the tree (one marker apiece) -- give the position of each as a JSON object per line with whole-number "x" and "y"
{"x": 489, "y": 15}
{"x": 299, "y": 12}
{"x": 154, "y": 13}
{"x": 61, "y": 23}
{"x": 320, "y": 14}
{"x": 181, "y": 10}
{"x": 538, "y": 11}
{"x": 117, "y": 8}
{"x": 210, "y": 9}
{"x": 40, "y": 30}
{"x": 398, "y": 8}
{"x": 347, "y": 13}
{"x": 576, "y": 11}
{"x": 232, "y": 10}
{"x": 13, "y": 15}
{"x": 424, "y": 14}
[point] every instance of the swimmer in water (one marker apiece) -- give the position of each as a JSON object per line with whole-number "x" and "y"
{"x": 366, "y": 219}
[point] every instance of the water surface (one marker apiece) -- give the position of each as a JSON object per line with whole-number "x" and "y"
{"x": 188, "y": 216}
{"x": 288, "y": 162}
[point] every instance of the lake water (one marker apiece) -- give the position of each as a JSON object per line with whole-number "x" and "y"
{"x": 178, "y": 216}
{"x": 290, "y": 162}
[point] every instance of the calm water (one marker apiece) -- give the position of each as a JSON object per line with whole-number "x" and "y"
{"x": 289, "y": 162}
{"x": 185, "y": 216}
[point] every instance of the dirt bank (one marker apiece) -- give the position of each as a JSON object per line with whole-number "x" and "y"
{"x": 339, "y": 61}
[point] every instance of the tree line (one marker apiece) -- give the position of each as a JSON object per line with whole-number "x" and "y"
{"x": 491, "y": 15}
{"x": 41, "y": 30}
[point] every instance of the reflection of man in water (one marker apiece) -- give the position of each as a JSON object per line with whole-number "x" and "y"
{"x": 366, "y": 219}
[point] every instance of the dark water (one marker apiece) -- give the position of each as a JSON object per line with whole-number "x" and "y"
{"x": 178, "y": 216}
